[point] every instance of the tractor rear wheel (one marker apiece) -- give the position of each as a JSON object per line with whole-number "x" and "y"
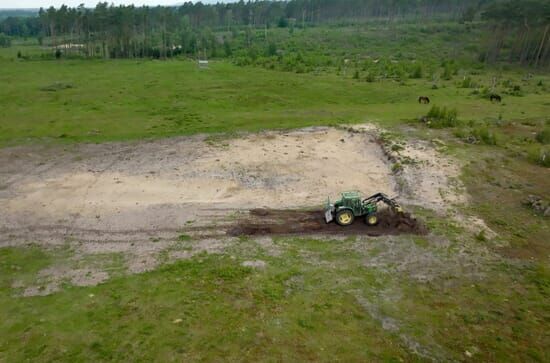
{"x": 345, "y": 217}
{"x": 371, "y": 219}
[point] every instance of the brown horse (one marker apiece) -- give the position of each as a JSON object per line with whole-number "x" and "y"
{"x": 495, "y": 98}
{"x": 424, "y": 100}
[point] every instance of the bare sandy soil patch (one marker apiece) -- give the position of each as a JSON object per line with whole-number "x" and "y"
{"x": 142, "y": 199}
{"x": 124, "y": 190}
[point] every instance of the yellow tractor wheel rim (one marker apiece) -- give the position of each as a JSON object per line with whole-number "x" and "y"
{"x": 373, "y": 219}
{"x": 345, "y": 218}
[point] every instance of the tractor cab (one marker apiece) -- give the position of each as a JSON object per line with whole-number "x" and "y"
{"x": 351, "y": 200}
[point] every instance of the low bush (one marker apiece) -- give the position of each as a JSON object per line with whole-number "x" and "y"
{"x": 484, "y": 136}
{"x": 480, "y": 236}
{"x": 468, "y": 83}
{"x": 476, "y": 135}
{"x": 514, "y": 90}
{"x": 447, "y": 73}
{"x": 543, "y": 136}
{"x": 5, "y": 41}
{"x": 370, "y": 77}
{"x": 461, "y": 133}
{"x": 439, "y": 117}
{"x": 417, "y": 72}
{"x": 540, "y": 155}
{"x": 396, "y": 168}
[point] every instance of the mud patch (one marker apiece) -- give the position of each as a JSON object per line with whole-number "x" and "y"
{"x": 288, "y": 222}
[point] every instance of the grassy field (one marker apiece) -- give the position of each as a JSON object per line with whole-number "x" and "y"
{"x": 313, "y": 302}
{"x": 119, "y": 100}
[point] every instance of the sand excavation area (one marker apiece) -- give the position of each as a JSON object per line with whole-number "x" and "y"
{"x": 155, "y": 189}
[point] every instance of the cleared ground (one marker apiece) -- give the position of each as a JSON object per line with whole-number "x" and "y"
{"x": 161, "y": 185}
{"x": 104, "y": 197}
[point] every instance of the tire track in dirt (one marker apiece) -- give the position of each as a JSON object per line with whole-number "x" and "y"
{"x": 110, "y": 165}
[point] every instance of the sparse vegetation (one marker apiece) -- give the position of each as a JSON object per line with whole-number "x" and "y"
{"x": 543, "y": 136}
{"x": 540, "y": 155}
{"x": 5, "y": 41}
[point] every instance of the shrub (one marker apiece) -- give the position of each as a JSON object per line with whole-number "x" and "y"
{"x": 396, "y": 168}
{"x": 486, "y": 93}
{"x": 300, "y": 68}
{"x": 271, "y": 49}
{"x": 543, "y": 136}
{"x": 417, "y": 73}
{"x": 447, "y": 73}
{"x": 485, "y": 136}
{"x": 439, "y": 117}
{"x": 252, "y": 53}
{"x": 476, "y": 135}
{"x": 460, "y": 133}
{"x": 227, "y": 48}
{"x": 480, "y": 236}
{"x": 468, "y": 83}
{"x": 514, "y": 90}
{"x": 540, "y": 155}
{"x": 370, "y": 77}
{"x": 5, "y": 41}
{"x": 184, "y": 237}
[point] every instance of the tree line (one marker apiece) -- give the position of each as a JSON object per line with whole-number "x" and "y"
{"x": 520, "y": 27}
{"x": 517, "y": 31}
{"x": 128, "y": 31}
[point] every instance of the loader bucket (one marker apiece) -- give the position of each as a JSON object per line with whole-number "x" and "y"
{"x": 329, "y": 208}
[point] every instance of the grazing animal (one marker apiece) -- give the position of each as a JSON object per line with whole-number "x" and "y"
{"x": 423, "y": 99}
{"x": 495, "y": 98}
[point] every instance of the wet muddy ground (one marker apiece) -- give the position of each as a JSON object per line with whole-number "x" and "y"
{"x": 283, "y": 222}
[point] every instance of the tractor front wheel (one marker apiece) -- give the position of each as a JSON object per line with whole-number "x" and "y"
{"x": 345, "y": 217}
{"x": 371, "y": 219}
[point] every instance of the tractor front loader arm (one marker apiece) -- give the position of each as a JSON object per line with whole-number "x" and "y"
{"x": 381, "y": 197}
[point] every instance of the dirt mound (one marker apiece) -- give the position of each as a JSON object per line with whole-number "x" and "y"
{"x": 281, "y": 222}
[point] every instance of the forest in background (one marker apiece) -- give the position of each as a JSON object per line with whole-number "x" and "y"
{"x": 514, "y": 31}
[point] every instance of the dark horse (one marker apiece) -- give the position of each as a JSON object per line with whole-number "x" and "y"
{"x": 495, "y": 98}
{"x": 423, "y": 99}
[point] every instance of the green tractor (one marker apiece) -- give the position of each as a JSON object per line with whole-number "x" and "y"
{"x": 352, "y": 205}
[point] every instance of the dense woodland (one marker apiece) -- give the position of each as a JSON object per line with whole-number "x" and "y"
{"x": 516, "y": 31}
